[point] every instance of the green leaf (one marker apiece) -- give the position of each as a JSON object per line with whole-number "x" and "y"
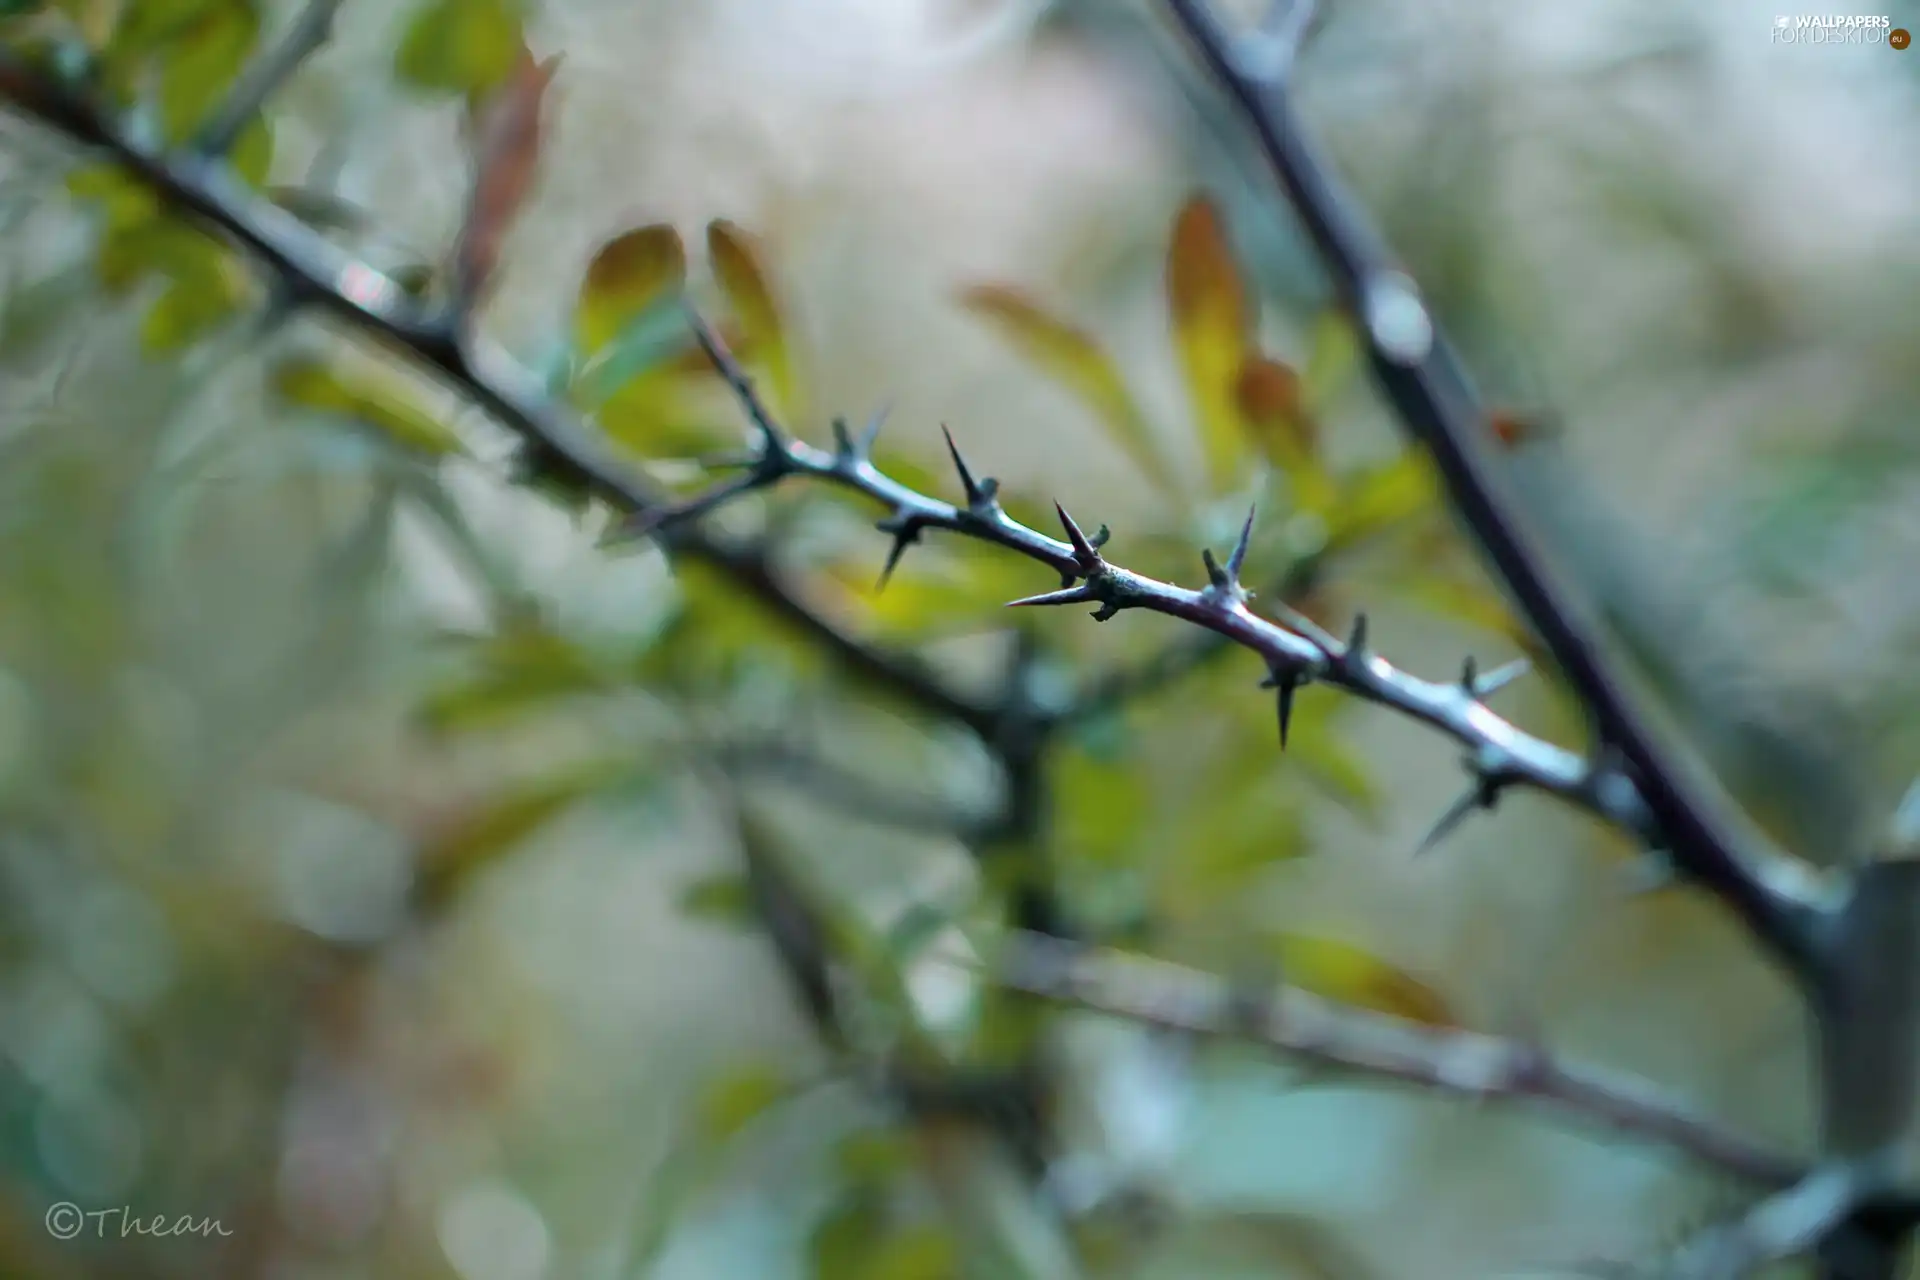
{"x": 1103, "y": 805}
{"x": 872, "y": 1157}
{"x": 188, "y": 309}
{"x": 923, "y": 1252}
{"x": 737, "y": 260}
{"x": 200, "y": 66}
{"x": 521, "y": 667}
{"x": 731, "y": 1103}
{"x": 721, "y": 898}
{"x": 252, "y": 156}
{"x": 482, "y": 837}
{"x": 461, "y": 46}
{"x": 311, "y": 382}
{"x": 1385, "y": 497}
{"x": 627, "y": 275}
{"x": 841, "y": 1241}
{"x": 1074, "y": 360}
{"x": 1213, "y": 324}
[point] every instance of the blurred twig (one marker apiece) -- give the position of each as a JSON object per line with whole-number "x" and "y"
{"x": 1304, "y": 1026}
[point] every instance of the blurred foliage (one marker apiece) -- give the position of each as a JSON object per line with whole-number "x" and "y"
{"x": 198, "y": 509}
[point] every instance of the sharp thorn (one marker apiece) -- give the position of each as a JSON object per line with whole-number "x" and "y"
{"x": 842, "y": 442}
{"x": 1502, "y": 676}
{"x": 1238, "y": 559}
{"x": 1083, "y": 551}
{"x": 974, "y": 495}
{"x": 894, "y": 552}
{"x": 906, "y": 532}
{"x": 872, "y": 430}
{"x": 1469, "y": 675}
{"x": 1101, "y": 537}
{"x": 1456, "y": 813}
{"x": 1068, "y": 595}
{"x": 1215, "y": 574}
{"x": 1106, "y": 610}
{"x": 1285, "y": 684}
{"x": 1357, "y": 638}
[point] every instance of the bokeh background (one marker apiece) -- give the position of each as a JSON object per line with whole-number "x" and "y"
{"x": 392, "y": 999}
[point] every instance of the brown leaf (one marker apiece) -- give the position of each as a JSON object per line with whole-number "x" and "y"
{"x": 628, "y": 274}
{"x": 505, "y": 133}
{"x": 1213, "y": 323}
{"x": 1515, "y": 430}
{"x": 1269, "y": 394}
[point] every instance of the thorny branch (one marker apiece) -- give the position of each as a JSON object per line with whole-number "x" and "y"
{"x": 558, "y": 447}
{"x": 1629, "y": 782}
{"x": 1501, "y": 754}
{"x": 1779, "y": 899}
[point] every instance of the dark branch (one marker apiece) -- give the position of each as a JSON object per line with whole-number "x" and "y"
{"x": 1778, "y": 898}
{"x": 559, "y": 447}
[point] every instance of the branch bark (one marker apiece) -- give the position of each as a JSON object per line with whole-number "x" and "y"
{"x": 1779, "y": 899}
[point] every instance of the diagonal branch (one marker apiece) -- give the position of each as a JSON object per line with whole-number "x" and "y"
{"x": 1302, "y": 1025}
{"x": 1500, "y": 753}
{"x": 1779, "y": 899}
{"x": 264, "y": 77}
{"x": 557, "y": 444}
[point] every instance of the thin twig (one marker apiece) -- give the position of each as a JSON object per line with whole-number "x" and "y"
{"x": 1779, "y": 898}
{"x": 1302, "y": 1025}
{"x": 852, "y": 793}
{"x": 264, "y": 77}
{"x": 1786, "y": 1225}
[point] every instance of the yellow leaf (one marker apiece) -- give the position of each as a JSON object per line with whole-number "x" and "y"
{"x": 197, "y": 70}
{"x": 1333, "y": 353}
{"x": 736, "y": 265}
{"x": 627, "y": 275}
{"x": 312, "y": 383}
{"x": 461, "y": 46}
{"x": 1213, "y": 333}
{"x": 1340, "y": 971}
{"x": 1077, "y": 362}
